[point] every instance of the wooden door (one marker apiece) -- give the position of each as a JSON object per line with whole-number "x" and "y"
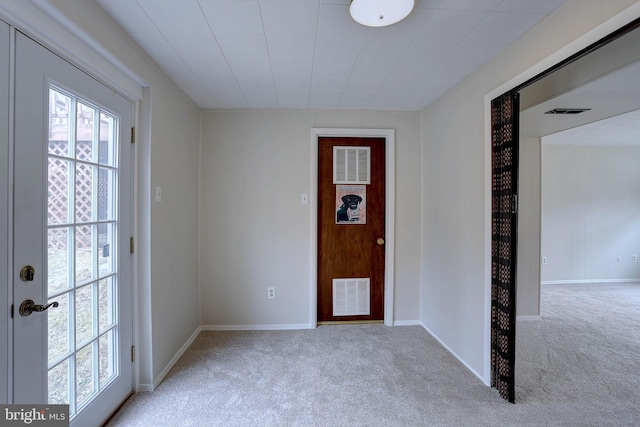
{"x": 351, "y": 228}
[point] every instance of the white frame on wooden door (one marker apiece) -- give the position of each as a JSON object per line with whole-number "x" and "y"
{"x": 389, "y": 136}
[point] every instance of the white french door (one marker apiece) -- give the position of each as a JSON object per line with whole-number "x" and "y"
{"x": 72, "y": 322}
{"x": 5, "y": 248}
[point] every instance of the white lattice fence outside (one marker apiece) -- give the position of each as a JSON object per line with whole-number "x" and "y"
{"x": 59, "y": 180}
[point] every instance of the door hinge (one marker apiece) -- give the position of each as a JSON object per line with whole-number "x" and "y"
{"x": 12, "y": 311}
{"x": 133, "y": 135}
{"x": 514, "y": 204}
{"x": 133, "y": 353}
{"x": 131, "y": 245}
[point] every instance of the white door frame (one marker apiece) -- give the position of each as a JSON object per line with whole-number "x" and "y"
{"x": 598, "y": 32}
{"x": 389, "y": 247}
{"x": 6, "y": 247}
{"x": 45, "y": 24}
{"x": 39, "y": 69}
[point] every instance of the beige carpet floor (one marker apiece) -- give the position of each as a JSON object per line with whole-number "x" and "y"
{"x": 577, "y": 366}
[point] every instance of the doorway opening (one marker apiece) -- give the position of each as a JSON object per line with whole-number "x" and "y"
{"x": 561, "y": 67}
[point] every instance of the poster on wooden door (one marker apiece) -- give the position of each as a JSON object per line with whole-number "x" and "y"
{"x": 351, "y": 204}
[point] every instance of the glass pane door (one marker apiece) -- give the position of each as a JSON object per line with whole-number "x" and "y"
{"x": 82, "y": 230}
{"x": 72, "y": 224}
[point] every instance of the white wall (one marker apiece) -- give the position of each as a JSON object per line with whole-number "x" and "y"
{"x": 255, "y": 233}
{"x": 590, "y": 212}
{"x": 528, "y": 272}
{"x": 456, "y": 167}
{"x": 169, "y": 147}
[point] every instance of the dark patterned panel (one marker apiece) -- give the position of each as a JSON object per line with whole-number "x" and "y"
{"x": 504, "y": 162}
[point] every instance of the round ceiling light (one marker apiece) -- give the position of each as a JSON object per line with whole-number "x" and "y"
{"x": 379, "y": 13}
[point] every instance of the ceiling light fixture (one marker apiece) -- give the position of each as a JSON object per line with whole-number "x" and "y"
{"x": 380, "y": 13}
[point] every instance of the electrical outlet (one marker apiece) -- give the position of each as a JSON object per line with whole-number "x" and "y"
{"x": 634, "y": 258}
{"x": 544, "y": 259}
{"x": 271, "y": 293}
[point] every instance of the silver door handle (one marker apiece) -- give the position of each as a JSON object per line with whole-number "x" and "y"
{"x": 28, "y": 306}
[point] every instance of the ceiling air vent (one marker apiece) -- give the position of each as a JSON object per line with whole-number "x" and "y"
{"x": 567, "y": 110}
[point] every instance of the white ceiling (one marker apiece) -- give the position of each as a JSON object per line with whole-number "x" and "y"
{"x": 613, "y": 118}
{"x": 309, "y": 54}
{"x": 617, "y": 131}
{"x": 614, "y": 94}
{"x": 607, "y": 81}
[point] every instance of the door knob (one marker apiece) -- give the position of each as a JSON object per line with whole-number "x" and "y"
{"x": 27, "y": 273}
{"x": 28, "y": 306}
{"x": 380, "y": 241}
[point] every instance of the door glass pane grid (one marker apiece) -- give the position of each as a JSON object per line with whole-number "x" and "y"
{"x": 85, "y": 132}
{"x": 58, "y": 190}
{"x": 106, "y": 248}
{"x": 85, "y": 254}
{"x": 108, "y": 140}
{"x": 83, "y": 371}
{"x": 59, "y": 382}
{"x": 59, "y": 258}
{"x": 61, "y": 130}
{"x": 82, "y": 250}
{"x": 86, "y": 185}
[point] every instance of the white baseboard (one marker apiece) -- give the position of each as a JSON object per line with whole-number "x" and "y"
{"x": 454, "y": 354}
{"x": 144, "y": 388}
{"x": 256, "y": 327}
{"x": 407, "y": 323}
{"x": 174, "y": 359}
{"x": 588, "y": 281}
